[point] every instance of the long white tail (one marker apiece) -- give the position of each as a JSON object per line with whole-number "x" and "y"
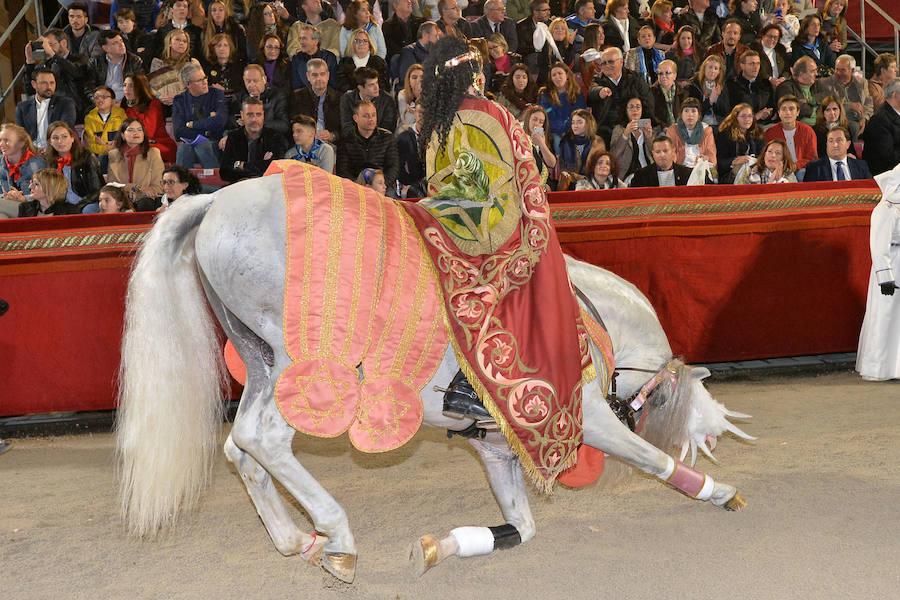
{"x": 172, "y": 378}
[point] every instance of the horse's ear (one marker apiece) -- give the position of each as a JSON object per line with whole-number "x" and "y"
{"x": 700, "y": 373}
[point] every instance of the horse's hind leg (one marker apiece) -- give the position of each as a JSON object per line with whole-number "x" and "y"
{"x": 604, "y": 431}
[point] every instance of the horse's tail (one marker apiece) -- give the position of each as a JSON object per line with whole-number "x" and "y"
{"x": 172, "y": 379}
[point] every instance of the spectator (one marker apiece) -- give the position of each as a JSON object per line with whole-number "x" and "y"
{"x": 33, "y": 114}
{"x": 885, "y": 70}
{"x": 319, "y": 101}
{"x": 787, "y": 22}
{"x": 307, "y": 147}
{"x": 693, "y": 139}
{"x": 178, "y": 19}
{"x": 747, "y": 87}
{"x": 882, "y": 147}
{"x": 69, "y": 70}
{"x": 78, "y": 31}
{"x": 361, "y": 53}
{"x": 113, "y": 199}
{"x": 708, "y": 86}
{"x": 374, "y": 179}
{"x": 275, "y": 63}
{"x": 685, "y": 55}
{"x": 140, "y": 104}
{"x": 738, "y": 143}
{"x": 367, "y": 90}
{"x": 663, "y": 25}
{"x": 137, "y": 41}
{"x": 631, "y": 143}
{"x": 644, "y": 58}
{"x": 134, "y": 163}
{"x": 667, "y": 95}
{"x": 799, "y": 137}
{"x": 274, "y": 99}
{"x": 744, "y": 11}
{"x": 558, "y": 47}
{"x": 452, "y": 22}
{"x": 834, "y": 24}
{"x": 853, "y": 92}
{"x": 367, "y": 145}
{"x": 251, "y": 148}
{"x": 518, "y": 91}
{"x": 620, "y": 28}
{"x": 601, "y": 172}
{"x": 494, "y": 20}
{"x": 411, "y": 174}
{"x": 80, "y": 167}
{"x": 177, "y": 181}
{"x": 400, "y": 30}
{"x": 263, "y": 19}
{"x": 359, "y": 15}
{"x": 837, "y": 165}
{"x": 810, "y": 42}
{"x": 501, "y": 60}
{"x": 221, "y": 21}
{"x": 417, "y": 52}
{"x": 582, "y": 17}
{"x": 664, "y": 171}
{"x": 48, "y": 196}
{"x": 101, "y": 125}
{"x": 577, "y": 143}
{"x": 198, "y": 117}
{"x": 408, "y": 97}
{"x": 773, "y": 57}
{"x": 830, "y": 115}
{"x": 730, "y": 48}
{"x": 20, "y": 162}
{"x": 525, "y": 28}
{"x": 144, "y": 12}
{"x": 560, "y": 99}
{"x": 534, "y": 122}
{"x": 116, "y": 63}
{"x": 320, "y": 16}
{"x": 774, "y": 165}
{"x": 196, "y": 12}
{"x": 221, "y": 65}
{"x": 703, "y": 20}
{"x": 308, "y": 49}
{"x": 803, "y": 86}
{"x": 165, "y": 70}
{"x": 591, "y": 51}
{"x": 608, "y": 92}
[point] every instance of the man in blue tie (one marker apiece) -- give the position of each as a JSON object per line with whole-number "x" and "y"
{"x": 838, "y": 165}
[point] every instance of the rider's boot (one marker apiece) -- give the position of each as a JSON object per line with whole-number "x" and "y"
{"x": 461, "y": 401}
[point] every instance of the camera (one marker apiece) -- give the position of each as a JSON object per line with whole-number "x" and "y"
{"x": 37, "y": 52}
{"x": 642, "y": 123}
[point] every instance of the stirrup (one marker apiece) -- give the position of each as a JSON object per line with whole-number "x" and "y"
{"x": 461, "y": 401}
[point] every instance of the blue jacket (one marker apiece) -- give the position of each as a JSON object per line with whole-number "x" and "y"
{"x": 186, "y": 107}
{"x": 560, "y": 117}
{"x": 31, "y": 167}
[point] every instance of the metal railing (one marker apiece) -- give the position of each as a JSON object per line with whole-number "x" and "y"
{"x": 39, "y": 30}
{"x": 862, "y": 38}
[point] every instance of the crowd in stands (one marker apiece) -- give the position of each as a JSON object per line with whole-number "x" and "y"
{"x": 612, "y": 94}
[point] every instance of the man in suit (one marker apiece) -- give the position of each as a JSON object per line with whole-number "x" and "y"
{"x": 664, "y": 171}
{"x": 319, "y": 101}
{"x": 36, "y": 113}
{"x": 837, "y": 166}
{"x": 540, "y": 13}
{"x": 250, "y": 149}
{"x": 882, "y": 136}
{"x": 411, "y": 173}
{"x": 494, "y": 20}
{"x": 730, "y": 48}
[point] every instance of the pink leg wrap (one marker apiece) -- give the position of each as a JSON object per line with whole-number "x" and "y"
{"x": 688, "y": 480}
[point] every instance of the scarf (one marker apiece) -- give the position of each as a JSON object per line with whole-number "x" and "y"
{"x": 15, "y": 169}
{"x": 664, "y": 27}
{"x": 623, "y": 28}
{"x": 572, "y": 158}
{"x": 360, "y": 62}
{"x": 64, "y": 161}
{"x": 270, "y": 72}
{"x": 310, "y": 156}
{"x": 691, "y": 139}
{"x": 669, "y": 97}
{"x": 131, "y": 153}
{"x": 814, "y": 47}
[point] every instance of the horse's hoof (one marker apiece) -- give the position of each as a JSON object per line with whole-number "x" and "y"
{"x": 423, "y": 554}
{"x": 737, "y": 502}
{"x": 340, "y": 564}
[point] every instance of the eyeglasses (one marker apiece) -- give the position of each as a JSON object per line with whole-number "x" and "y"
{"x": 603, "y": 63}
{"x": 201, "y": 80}
{"x": 272, "y": 47}
{"x": 170, "y": 182}
{"x": 102, "y": 96}
{"x": 665, "y": 72}
{"x": 361, "y": 41}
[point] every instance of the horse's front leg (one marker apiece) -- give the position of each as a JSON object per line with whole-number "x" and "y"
{"x": 508, "y": 484}
{"x": 604, "y": 431}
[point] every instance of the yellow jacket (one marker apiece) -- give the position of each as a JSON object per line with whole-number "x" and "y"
{"x": 96, "y": 133}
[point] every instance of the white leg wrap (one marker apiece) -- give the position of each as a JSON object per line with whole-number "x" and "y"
{"x": 473, "y": 541}
{"x": 706, "y": 491}
{"x": 670, "y": 468}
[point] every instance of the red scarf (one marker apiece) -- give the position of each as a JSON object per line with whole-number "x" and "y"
{"x": 64, "y": 161}
{"x": 666, "y": 27}
{"x": 14, "y": 169}
{"x": 131, "y": 153}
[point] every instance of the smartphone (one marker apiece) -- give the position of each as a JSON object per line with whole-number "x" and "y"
{"x": 539, "y": 130}
{"x": 642, "y": 123}
{"x": 37, "y": 52}
{"x": 777, "y": 12}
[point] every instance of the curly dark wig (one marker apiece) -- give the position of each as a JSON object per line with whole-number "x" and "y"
{"x": 443, "y": 88}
